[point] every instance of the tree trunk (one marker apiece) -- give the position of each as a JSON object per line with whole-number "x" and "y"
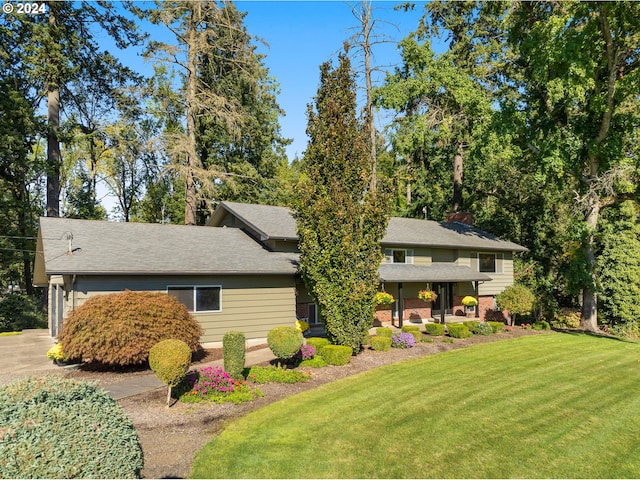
{"x": 589, "y": 320}
{"x": 366, "y": 47}
{"x": 457, "y": 180}
{"x": 54, "y": 158}
{"x": 191, "y": 161}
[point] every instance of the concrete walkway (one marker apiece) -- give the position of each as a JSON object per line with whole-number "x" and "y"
{"x": 26, "y": 354}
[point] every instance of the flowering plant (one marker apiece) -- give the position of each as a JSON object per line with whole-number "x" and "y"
{"x": 469, "y": 301}
{"x": 526, "y": 326}
{"x": 507, "y": 328}
{"x": 427, "y": 295}
{"x": 403, "y": 340}
{"x": 55, "y": 353}
{"x": 210, "y": 381}
{"x": 306, "y": 352}
{"x": 383, "y": 298}
{"x": 302, "y": 326}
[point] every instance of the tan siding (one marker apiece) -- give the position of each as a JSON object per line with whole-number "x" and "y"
{"x": 444, "y": 255}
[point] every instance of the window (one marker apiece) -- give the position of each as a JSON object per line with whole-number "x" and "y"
{"x": 487, "y": 263}
{"x": 398, "y": 255}
{"x": 197, "y": 299}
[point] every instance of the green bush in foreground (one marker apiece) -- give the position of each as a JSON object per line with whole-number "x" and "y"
{"x": 458, "y": 330}
{"x": 284, "y": 342}
{"x": 436, "y": 329}
{"x": 233, "y": 351}
{"x": 52, "y": 427}
{"x": 497, "y": 326}
{"x": 381, "y": 343}
{"x": 315, "y": 362}
{"x": 483, "y": 329}
{"x": 276, "y": 374}
{"x": 336, "y": 354}
{"x": 318, "y": 342}
{"x": 169, "y": 360}
{"x": 384, "y": 332}
{"x": 541, "y": 325}
{"x": 471, "y": 324}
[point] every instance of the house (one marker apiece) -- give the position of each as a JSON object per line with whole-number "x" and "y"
{"x": 239, "y": 272}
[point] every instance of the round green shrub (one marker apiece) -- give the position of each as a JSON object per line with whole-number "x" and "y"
{"x": 170, "y": 360}
{"x": 483, "y": 329}
{"x": 336, "y": 354}
{"x": 381, "y": 343}
{"x": 410, "y": 328}
{"x": 384, "y": 332}
{"x": 284, "y": 342}
{"x": 233, "y": 351}
{"x": 121, "y": 328}
{"x": 52, "y": 427}
{"x": 436, "y": 329}
{"x": 318, "y": 342}
{"x": 496, "y": 326}
{"x": 517, "y": 299}
{"x": 458, "y": 330}
{"x": 541, "y": 325}
{"x": 471, "y": 324}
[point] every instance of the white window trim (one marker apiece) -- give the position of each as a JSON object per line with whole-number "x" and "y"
{"x": 408, "y": 255}
{"x": 194, "y": 288}
{"x": 497, "y": 256}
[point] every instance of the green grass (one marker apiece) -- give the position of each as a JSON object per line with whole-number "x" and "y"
{"x": 549, "y": 406}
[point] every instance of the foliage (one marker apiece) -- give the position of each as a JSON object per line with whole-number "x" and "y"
{"x": 55, "y": 353}
{"x": 494, "y": 316}
{"x": 469, "y": 301}
{"x": 384, "y": 332}
{"x": 435, "y": 329}
{"x": 169, "y": 360}
{"x": 471, "y": 324}
{"x": 427, "y": 295}
{"x": 121, "y": 328}
{"x": 383, "y": 298}
{"x": 403, "y": 340}
{"x": 340, "y": 220}
{"x": 541, "y": 325}
{"x": 516, "y": 299}
{"x": 567, "y": 318}
{"x": 458, "y": 330}
{"x": 233, "y": 351}
{"x": 213, "y": 384}
{"x": 413, "y": 330}
{"x": 306, "y": 352}
{"x": 315, "y": 362}
{"x": 284, "y": 341}
{"x": 483, "y": 329}
{"x": 302, "y": 325}
{"x": 52, "y": 427}
{"x": 496, "y": 326}
{"x": 381, "y": 343}
{"x": 336, "y": 354}
{"x": 18, "y": 312}
{"x": 276, "y": 374}
{"x": 317, "y": 342}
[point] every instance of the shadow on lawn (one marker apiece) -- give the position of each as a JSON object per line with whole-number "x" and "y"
{"x": 603, "y": 335}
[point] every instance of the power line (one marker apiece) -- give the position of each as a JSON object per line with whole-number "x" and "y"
{"x": 14, "y": 236}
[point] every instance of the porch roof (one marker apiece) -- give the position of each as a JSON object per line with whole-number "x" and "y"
{"x": 436, "y": 272}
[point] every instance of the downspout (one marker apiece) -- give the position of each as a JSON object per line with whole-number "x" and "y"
{"x": 400, "y": 305}
{"x": 477, "y": 288}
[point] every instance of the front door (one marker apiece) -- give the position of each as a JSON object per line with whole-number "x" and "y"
{"x": 444, "y": 300}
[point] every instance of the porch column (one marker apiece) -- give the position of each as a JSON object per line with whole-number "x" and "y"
{"x": 442, "y": 302}
{"x": 400, "y": 305}
{"x": 476, "y": 283}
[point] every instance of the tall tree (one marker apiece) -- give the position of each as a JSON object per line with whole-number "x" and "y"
{"x": 340, "y": 220}
{"x": 580, "y": 66}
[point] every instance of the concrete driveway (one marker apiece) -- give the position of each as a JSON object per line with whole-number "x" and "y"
{"x": 25, "y": 354}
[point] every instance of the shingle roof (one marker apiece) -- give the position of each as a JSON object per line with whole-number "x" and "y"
{"x": 436, "y": 272}
{"x": 142, "y": 248}
{"x": 278, "y": 223}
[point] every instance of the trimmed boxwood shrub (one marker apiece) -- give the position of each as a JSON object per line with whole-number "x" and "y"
{"x": 170, "y": 360}
{"x": 336, "y": 354}
{"x": 381, "y": 343}
{"x": 413, "y": 330}
{"x": 120, "y": 328}
{"x": 436, "y": 329}
{"x": 541, "y": 325}
{"x": 496, "y": 326}
{"x": 52, "y": 427}
{"x": 471, "y": 324}
{"x": 318, "y": 343}
{"x": 483, "y": 329}
{"x": 284, "y": 342}
{"x": 458, "y": 330}
{"x": 233, "y": 351}
{"x": 384, "y": 332}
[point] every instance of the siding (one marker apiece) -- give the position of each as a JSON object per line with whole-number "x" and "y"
{"x": 250, "y": 304}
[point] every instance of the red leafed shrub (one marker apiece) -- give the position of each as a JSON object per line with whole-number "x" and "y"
{"x": 120, "y": 328}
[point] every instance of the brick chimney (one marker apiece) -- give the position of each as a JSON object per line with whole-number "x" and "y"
{"x": 462, "y": 217}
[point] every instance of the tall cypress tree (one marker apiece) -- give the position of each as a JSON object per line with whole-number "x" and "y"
{"x": 340, "y": 220}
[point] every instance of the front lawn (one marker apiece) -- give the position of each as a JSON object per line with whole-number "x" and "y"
{"x": 549, "y": 406}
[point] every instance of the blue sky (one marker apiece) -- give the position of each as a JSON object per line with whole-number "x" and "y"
{"x": 301, "y": 35}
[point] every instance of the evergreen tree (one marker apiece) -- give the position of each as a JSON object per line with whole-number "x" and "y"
{"x": 340, "y": 221}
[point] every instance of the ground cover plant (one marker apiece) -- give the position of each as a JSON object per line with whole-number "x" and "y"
{"x": 537, "y": 415}
{"x": 213, "y": 384}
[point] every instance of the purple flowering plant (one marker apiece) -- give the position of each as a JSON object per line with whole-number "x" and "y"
{"x": 210, "y": 381}
{"x": 403, "y": 340}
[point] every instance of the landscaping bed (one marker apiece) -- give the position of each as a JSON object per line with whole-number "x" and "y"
{"x": 171, "y": 436}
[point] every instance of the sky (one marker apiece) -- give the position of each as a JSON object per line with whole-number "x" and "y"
{"x": 301, "y": 35}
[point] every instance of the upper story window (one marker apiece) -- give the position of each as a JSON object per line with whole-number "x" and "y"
{"x": 198, "y": 298}
{"x": 488, "y": 263}
{"x": 398, "y": 255}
